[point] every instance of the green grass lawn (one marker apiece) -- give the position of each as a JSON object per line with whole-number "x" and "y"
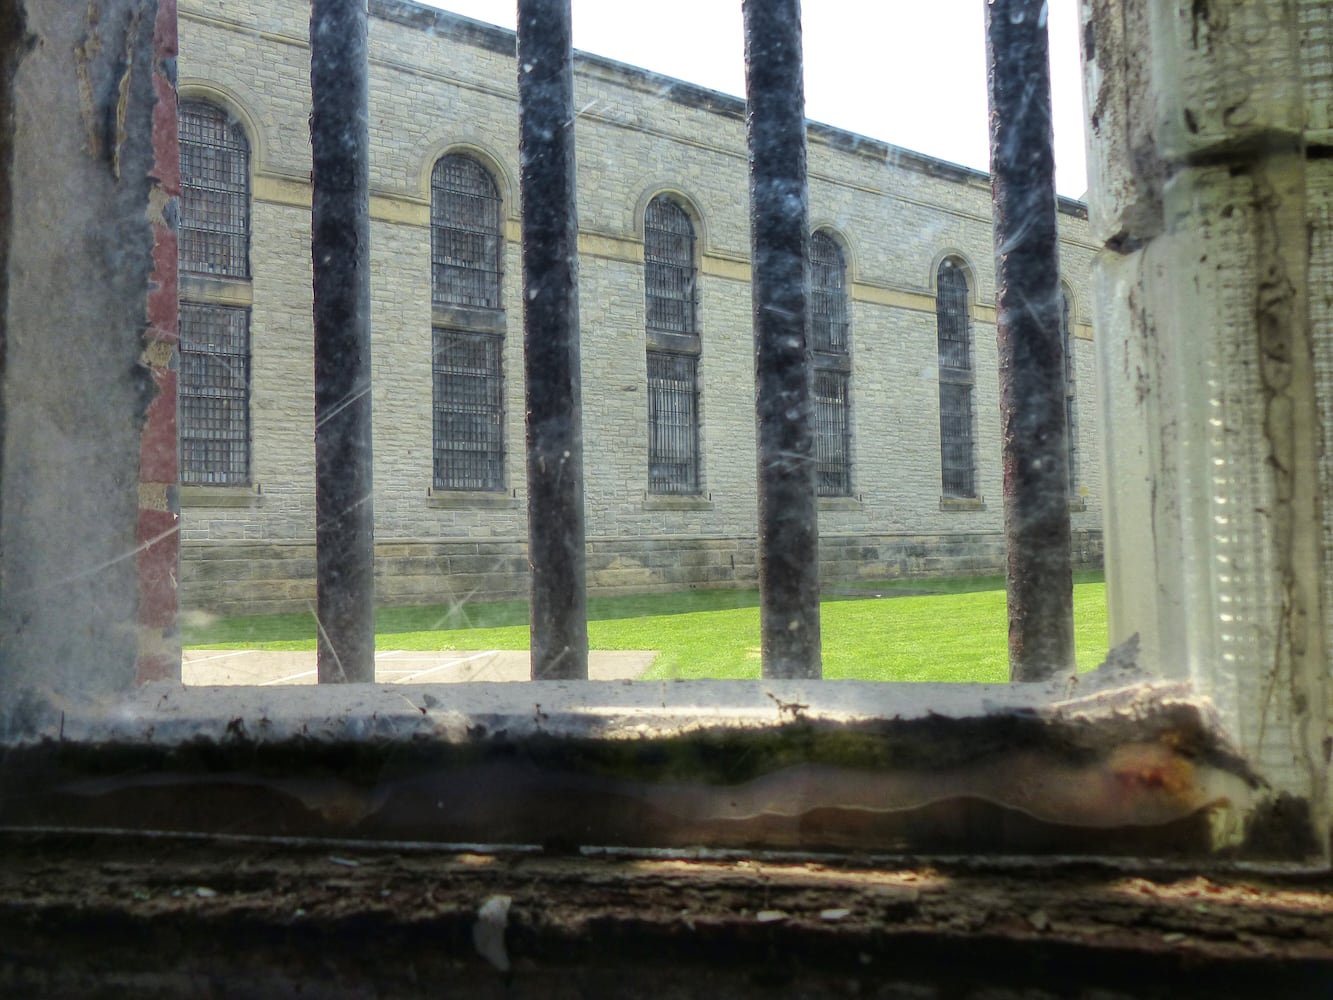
{"x": 956, "y": 633}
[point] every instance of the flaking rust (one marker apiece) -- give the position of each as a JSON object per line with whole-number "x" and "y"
{"x": 105, "y": 110}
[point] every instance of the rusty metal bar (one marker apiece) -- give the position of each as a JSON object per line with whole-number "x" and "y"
{"x": 1032, "y": 377}
{"x": 784, "y": 393}
{"x": 340, "y": 245}
{"x": 558, "y": 617}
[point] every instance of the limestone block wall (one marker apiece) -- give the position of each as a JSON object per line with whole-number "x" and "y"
{"x": 274, "y": 577}
{"x": 441, "y": 84}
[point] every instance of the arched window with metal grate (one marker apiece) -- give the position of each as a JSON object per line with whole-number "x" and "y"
{"x": 467, "y": 384}
{"x": 215, "y": 192}
{"x": 832, "y": 382}
{"x": 673, "y": 348}
{"x": 1071, "y": 389}
{"x": 465, "y": 237}
{"x": 668, "y": 265}
{"x": 957, "y": 449}
{"x": 213, "y": 395}
{"x": 828, "y": 295}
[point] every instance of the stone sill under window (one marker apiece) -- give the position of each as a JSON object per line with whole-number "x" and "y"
{"x": 231, "y": 291}
{"x": 962, "y": 503}
{"x": 676, "y": 501}
{"x": 468, "y": 318}
{"x": 1077, "y": 505}
{"x": 825, "y": 768}
{"x": 222, "y": 496}
{"x": 473, "y": 500}
{"x": 841, "y": 503}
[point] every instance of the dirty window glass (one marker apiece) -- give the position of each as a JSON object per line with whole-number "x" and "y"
{"x": 175, "y": 493}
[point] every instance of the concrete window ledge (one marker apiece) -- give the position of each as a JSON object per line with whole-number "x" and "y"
{"x": 962, "y": 503}
{"x": 1108, "y": 765}
{"x": 666, "y": 501}
{"x": 225, "y": 291}
{"x": 222, "y": 496}
{"x": 466, "y": 318}
{"x": 840, "y": 503}
{"x": 469, "y": 500}
{"x": 103, "y": 915}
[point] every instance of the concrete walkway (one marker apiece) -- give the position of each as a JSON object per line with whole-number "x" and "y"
{"x": 206, "y": 667}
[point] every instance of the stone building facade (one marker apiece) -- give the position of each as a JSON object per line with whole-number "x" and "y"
{"x": 904, "y": 294}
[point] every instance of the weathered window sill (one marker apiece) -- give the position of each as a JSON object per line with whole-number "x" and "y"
{"x": 472, "y": 500}
{"x": 840, "y": 503}
{"x": 231, "y": 291}
{"x": 962, "y": 503}
{"x": 671, "y": 501}
{"x": 467, "y": 318}
{"x": 222, "y": 496}
{"x": 1107, "y": 765}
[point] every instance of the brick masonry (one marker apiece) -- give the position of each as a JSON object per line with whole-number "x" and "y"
{"x": 441, "y": 83}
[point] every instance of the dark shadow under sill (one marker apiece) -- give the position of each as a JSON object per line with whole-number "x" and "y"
{"x": 103, "y": 916}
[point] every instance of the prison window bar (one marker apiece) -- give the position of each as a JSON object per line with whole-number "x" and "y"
{"x": 554, "y": 433}
{"x": 340, "y": 247}
{"x": 1031, "y": 362}
{"x": 1028, "y": 298}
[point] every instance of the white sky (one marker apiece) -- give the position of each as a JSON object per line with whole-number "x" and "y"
{"x": 909, "y": 72}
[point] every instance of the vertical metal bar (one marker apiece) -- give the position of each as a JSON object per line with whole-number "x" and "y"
{"x": 551, "y": 341}
{"x": 158, "y": 534}
{"x": 784, "y": 393}
{"x": 344, "y": 512}
{"x": 13, "y": 31}
{"x": 1028, "y": 303}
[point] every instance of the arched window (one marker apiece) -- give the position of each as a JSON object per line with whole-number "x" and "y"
{"x": 213, "y": 394}
{"x": 673, "y": 348}
{"x": 668, "y": 265}
{"x": 957, "y": 468}
{"x": 215, "y": 192}
{"x": 467, "y": 384}
{"x": 828, "y": 326}
{"x": 465, "y": 238}
{"x": 1071, "y": 402}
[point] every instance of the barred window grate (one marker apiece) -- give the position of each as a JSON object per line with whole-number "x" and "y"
{"x": 1071, "y": 424}
{"x": 956, "y": 464}
{"x": 833, "y": 434}
{"x": 214, "y": 229}
{"x": 214, "y": 395}
{"x": 668, "y": 257}
{"x": 465, "y": 237}
{"x": 468, "y": 408}
{"x": 957, "y": 461}
{"x": 673, "y": 423}
{"x": 828, "y": 295}
{"x": 1071, "y": 406}
{"x": 832, "y": 380}
{"x": 955, "y": 340}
